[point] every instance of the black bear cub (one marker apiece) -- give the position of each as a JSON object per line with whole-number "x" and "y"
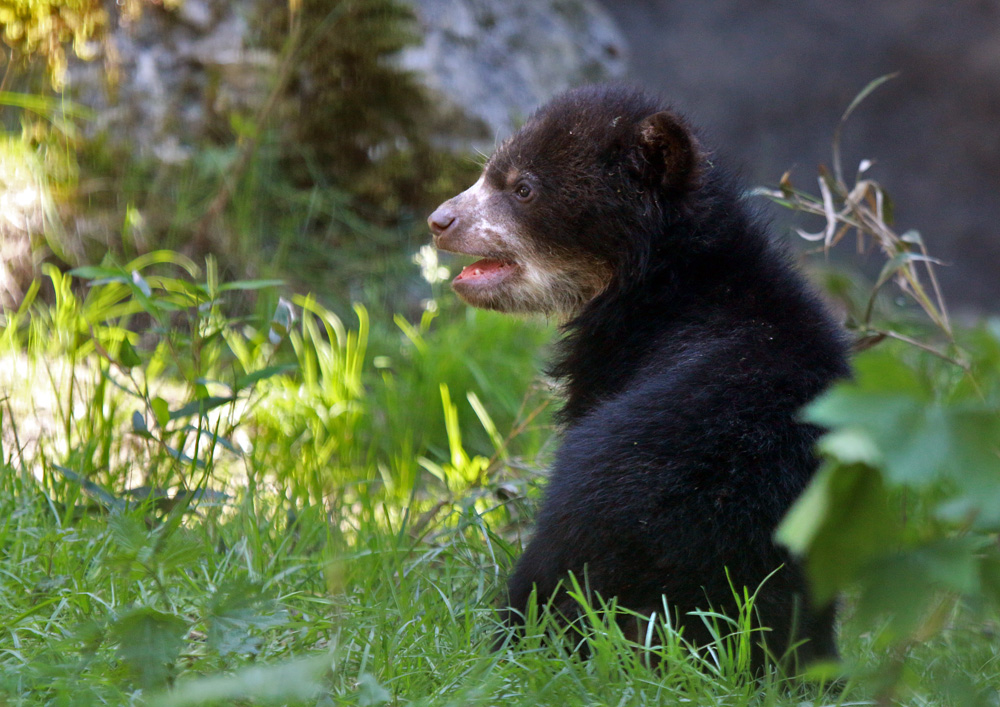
{"x": 689, "y": 348}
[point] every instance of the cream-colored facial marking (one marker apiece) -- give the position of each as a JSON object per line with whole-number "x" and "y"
{"x": 492, "y": 231}
{"x": 542, "y": 281}
{"x": 475, "y": 192}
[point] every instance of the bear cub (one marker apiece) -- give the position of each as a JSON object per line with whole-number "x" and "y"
{"x": 689, "y": 347}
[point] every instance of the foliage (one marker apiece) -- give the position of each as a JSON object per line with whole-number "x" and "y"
{"x": 45, "y": 27}
{"x": 207, "y": 513}
{"x": 470, "y": 350}
{"x": 362, "y": 124}
{"x": 904, "y": 512}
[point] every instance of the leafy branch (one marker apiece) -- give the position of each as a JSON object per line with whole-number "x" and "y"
{"x": 862, "y": 206}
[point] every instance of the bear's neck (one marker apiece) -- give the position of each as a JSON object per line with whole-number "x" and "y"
{"x": 678, "y": 302}
{"x": 605, "y": 346}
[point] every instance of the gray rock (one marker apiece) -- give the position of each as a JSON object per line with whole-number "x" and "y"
{"x": 180, "y": 75}
{"x": 490, "y": 63}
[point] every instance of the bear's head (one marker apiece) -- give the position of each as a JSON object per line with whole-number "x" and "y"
{"x": 571, "y": 202}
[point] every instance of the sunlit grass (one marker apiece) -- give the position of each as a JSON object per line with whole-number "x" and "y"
{"x": 189, "y": 495}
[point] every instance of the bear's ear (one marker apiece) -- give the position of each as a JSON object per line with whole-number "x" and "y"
{"x": 670, "y": 152}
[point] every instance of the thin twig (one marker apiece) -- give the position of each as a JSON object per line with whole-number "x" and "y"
{"x": 924, "y": 347}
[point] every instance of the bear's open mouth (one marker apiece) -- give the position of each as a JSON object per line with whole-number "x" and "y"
{"x": 487, "y": 271}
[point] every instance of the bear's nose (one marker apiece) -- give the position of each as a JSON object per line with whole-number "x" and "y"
{"x": 440, "y": 219}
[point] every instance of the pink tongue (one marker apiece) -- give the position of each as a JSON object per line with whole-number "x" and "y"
{"x": 480, "y": 268}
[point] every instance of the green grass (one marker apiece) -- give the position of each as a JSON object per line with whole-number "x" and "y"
{"x": 204, "y": 506}
{"x": 198, "y": 504}
{"x": 366, "y": 612}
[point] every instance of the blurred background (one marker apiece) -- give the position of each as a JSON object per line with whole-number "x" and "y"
{"x": 308, "y": 140}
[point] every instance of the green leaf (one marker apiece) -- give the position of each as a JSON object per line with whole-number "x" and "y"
{"x": 804, "y": 520}
{"x": 910, "y": 437}
{"x": 236, "y": 612}
{"x": 46, "y": 105}
{"x": 894, "y": 588}
{"x": 149, "y": 642}
{"x": 899, "y": 261}
{"x": 181, "y": 456}
{"x": 175, "y": 551}
{"x": 95, "y": 272}
{"x": 250, "y": 285}
{"x": 851, "y": 445}
{"x": 127, "y": 356}
{"x": 865, "y": 92}
{"x": 901, "y": 585}
{"x": 213, "y": 437}
{"x": 841, "y": 522}
{"x": 262, "y": 374}
{"x": 201, "y": 406}
{"x": 281, "y": 683}
{"x": 989, "y": 573}
{"x": 161, "y": 410}
{"x": 370, "y": 692}
{"x": 99, "y": 493}
{"x": 130, "y": 535}
{"x": 170, "y": 257}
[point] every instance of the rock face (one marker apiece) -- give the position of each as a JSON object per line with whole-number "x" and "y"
{"x": 180, "y": 73}
{"x": 490, "y": 63}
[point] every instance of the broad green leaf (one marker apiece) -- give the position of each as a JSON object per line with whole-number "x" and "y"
{"x": 902, "y": 584}
{"x": 910, "y": 436}
{"x": 149, "y": 642}
{"x": 130, "y": 536}
{"x": 161, "y": 409}
{"x": 127, "y": 356}
{"x": 851, "y": 445}
{"x": 839, "y": 524}
{"x": 237, "y": 611}
{"x": 280, "y": 683}
{"x": 807, "y": 516}
{"x": 989, "y": 573}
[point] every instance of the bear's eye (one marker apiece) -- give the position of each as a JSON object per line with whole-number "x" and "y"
{"x": 522, "y": 191}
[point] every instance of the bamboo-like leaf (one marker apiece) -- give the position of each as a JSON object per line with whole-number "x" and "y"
{"x": 201, "y": 406}
{"x": 262, "y": 374}
{"x": 250, "y": 285}
{"x": 96, "y": 492}
{"x": 865, "y": 92}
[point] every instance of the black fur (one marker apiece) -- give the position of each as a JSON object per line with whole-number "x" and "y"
{"x": 683, "y": 377}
